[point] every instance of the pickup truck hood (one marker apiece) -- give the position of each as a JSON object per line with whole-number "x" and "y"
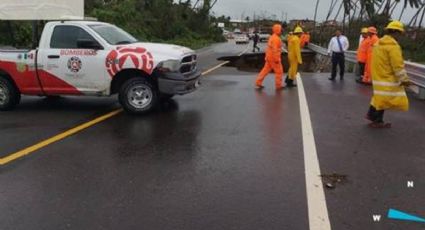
{"x": 162, "y": 52}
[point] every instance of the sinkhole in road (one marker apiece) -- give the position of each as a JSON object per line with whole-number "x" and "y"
{"x": 253, "y": 62}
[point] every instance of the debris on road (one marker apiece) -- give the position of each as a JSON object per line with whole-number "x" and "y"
{"x": 330, "y": 186}
{"x": 331, "y": 180}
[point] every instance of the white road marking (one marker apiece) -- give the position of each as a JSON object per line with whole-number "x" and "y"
{"x": 246, "y": 50}
{"x": 316, "y": 200}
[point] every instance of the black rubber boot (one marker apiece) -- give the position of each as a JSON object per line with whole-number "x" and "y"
{"x": 290, "y": 84}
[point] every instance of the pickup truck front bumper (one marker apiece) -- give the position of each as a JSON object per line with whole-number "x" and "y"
{"x": 177, "y": 83}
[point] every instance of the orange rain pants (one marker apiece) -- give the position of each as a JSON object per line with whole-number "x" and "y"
{"x": 268, "y": 67}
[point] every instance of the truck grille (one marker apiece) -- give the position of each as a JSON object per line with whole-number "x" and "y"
{"x": 189, "y": 65}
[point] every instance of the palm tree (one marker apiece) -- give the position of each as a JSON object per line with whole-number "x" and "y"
{"x": 315, "y": 15}
{"x": 386, "y": 7}
{"x": 315, "y": 10}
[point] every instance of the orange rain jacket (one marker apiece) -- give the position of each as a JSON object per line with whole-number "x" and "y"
{"x": 371, "y": 41}
{"x": 274, "y": 45}
{"x": 362, "y": 52}
{"x": 305, "y": 39}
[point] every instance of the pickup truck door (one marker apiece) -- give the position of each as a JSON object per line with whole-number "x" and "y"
{"x": 68, "y": 68}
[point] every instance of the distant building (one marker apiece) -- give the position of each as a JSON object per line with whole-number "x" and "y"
{"x": 238, "y": 22}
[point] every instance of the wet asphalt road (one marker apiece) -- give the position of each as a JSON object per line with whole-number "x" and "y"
{"x": 378, "y": 162}
{"x": 224, "y": 157}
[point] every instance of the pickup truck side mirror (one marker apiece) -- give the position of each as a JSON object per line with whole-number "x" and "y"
{"x": 88, "y": 44}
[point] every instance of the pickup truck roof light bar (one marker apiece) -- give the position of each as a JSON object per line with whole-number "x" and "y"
{"x": 90, "y": 19}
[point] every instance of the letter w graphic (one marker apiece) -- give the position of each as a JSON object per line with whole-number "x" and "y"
{"x": 377, "y": 218}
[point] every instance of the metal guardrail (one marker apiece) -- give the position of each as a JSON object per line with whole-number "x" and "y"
{"x": 415, "y": 71}
{"x": 317, "y": 49}
{"x": 350, "y": 56}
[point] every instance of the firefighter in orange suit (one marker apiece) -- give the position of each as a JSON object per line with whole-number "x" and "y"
{"x": 371, "y": 41}
{"x": 294, "y": 57}
{"x": 273, "y": 59}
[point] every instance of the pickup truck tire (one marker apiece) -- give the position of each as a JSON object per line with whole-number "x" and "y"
{"x": 9, "y": 95}
{"x": 138, "y": 96}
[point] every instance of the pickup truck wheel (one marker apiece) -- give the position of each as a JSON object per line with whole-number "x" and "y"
{"x": 138, "y": 96}
{"x": 9, "y": 95}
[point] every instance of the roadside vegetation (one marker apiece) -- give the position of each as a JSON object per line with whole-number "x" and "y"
{"x": 186, "y": 23}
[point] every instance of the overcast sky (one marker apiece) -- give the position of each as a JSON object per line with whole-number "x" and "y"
{"x": 298, "y": 9}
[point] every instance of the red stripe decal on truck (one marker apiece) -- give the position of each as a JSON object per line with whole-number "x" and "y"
{"x": 140, "y": 57}
{"x": 26, "y": 80}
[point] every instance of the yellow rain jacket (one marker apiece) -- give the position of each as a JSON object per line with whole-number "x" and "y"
{"x": 294, "y": 56}
{"x": 388, "y": 73}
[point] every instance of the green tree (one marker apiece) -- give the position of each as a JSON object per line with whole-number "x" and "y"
{"x": 152, "y": 20}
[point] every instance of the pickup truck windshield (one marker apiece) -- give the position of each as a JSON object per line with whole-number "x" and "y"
{"x": 113, "y": 35}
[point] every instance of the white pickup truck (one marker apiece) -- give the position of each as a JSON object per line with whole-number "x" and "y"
{"x": 97, "y": 59}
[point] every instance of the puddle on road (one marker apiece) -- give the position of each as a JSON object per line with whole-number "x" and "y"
{"x": 254, "y": 62}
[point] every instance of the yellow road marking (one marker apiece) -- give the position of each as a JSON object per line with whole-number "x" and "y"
{"x": 56, "y": 138}
{"x": 215, "y": 68}
{"x": 70, "y": 132}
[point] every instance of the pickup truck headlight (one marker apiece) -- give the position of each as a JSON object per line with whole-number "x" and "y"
{"x": 169, "y": 66}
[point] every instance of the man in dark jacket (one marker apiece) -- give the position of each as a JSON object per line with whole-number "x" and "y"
{"x": 256, "y": 39}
